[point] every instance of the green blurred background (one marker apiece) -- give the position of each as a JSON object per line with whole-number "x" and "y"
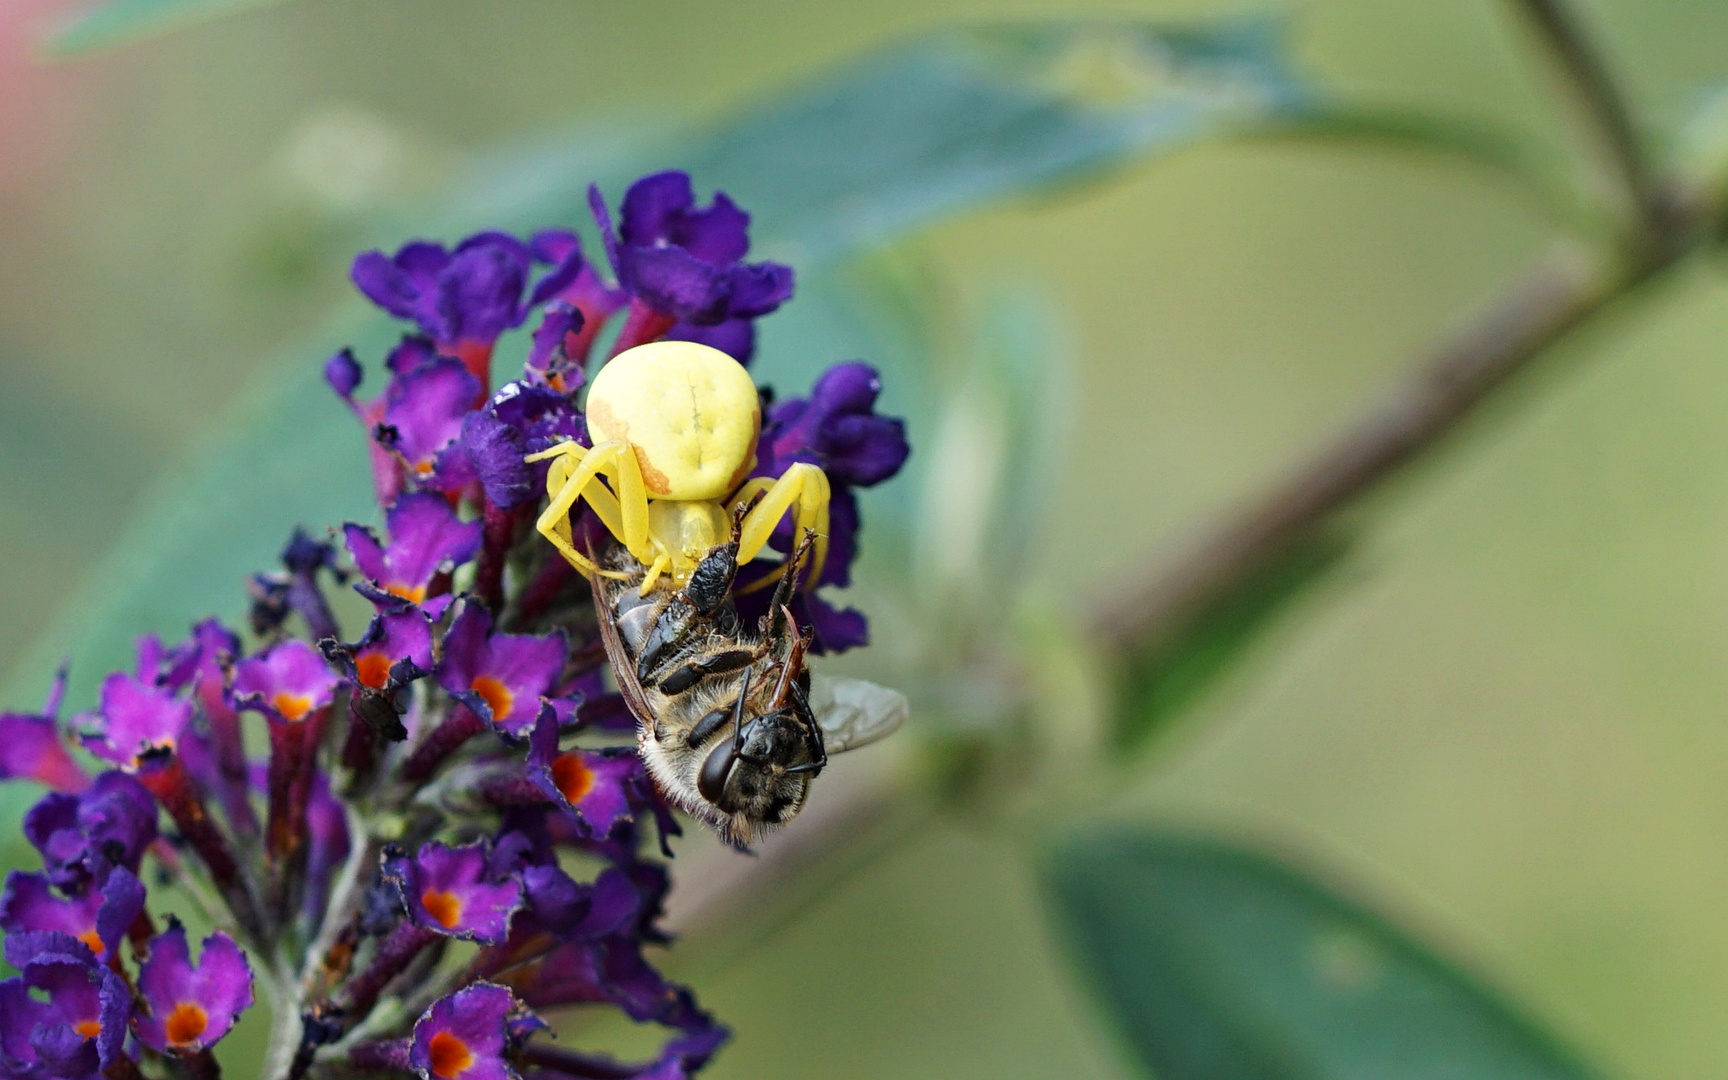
{"x": 1503, "y": 722}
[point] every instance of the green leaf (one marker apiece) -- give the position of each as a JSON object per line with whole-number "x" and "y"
{"x": 1216, "y": 962}
{"x": 1163, "y": 677}
{"x": 956, "y": 118}
{"x": 943, "y": 122}
{"x": 121, "y": 22}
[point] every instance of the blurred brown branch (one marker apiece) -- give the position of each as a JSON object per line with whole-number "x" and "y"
{"x": 1566, "y": 289}
{"x": 1562, "y": 292}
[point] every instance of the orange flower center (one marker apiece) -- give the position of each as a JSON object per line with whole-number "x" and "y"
{"x": 373, "y": 669}
{"x": 573, "y": 777}
{"x": 185, "y": 1024}
{"x": 91, "y": 938}
{"x": 443, "y": 905}
{"x": 497, "y": 696}
{"x": 450, "y": 1056}
{"x": 291, "y": 706}
{"x": 413, "y": 594}
{"x": 88, "y": 1028}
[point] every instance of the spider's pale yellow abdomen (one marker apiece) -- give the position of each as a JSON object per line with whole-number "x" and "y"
{"x": 690, "y": 412}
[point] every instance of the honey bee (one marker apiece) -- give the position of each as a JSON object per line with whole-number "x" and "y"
{"x": 730, "y": 722}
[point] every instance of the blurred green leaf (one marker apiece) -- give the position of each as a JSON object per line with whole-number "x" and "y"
{"x": 1700, "y": 149}
{"x": 1164, "y": 676}
{"x": 1216, "y": 962}
{"x": 950, "y": 120}
{"x": 1549, "y": 180}
{"x": 121, "y": 22}
{"x": 942, "y": 122}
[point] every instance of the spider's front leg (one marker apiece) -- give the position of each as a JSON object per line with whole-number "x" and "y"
{"x": 574, "y": 475}
{"x": 803, "y": 489}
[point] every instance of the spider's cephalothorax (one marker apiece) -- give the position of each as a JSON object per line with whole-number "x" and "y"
{"x": 674, "y": 426}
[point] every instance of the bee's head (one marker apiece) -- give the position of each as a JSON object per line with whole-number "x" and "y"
{"x": 761, "y": 773}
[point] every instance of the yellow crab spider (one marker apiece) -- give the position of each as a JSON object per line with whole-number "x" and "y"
{"x": 674, "y": 425}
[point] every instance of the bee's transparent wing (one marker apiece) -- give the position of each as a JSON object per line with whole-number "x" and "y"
{"x": 854, "y": 713}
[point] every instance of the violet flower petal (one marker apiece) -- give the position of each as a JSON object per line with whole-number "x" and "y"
{"x": 191, "y": 1006}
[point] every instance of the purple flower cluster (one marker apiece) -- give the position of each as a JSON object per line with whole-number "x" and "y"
{"x": 436, "y": 776}
{"x": 74, "y": 1010}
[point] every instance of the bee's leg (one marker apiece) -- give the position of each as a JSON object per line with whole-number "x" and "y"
{"x": 789, "y": 690}
{"x": 778, "y": 612}
{"x": 670, "y": 632}
{"x": 812, "y": 730}
{"x": 804, "y": 490}
{"x": 711, "y": 581}
{"x": 682, "y": 618}
{"x": 688, "y": 674}
{"x": 717, "y": 767}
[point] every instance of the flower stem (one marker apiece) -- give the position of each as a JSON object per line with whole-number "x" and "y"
{"x": 201, "y": 1065}
{"x": 168, "y": 782}
{"x": 394, "y": 955}
{"x": 345, "y": 898}
{"x": 641, "y": 325}
{"x": 446, "y": 739}
{"x": 498, "y": 532}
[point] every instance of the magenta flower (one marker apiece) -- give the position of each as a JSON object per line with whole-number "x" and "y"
{"x": 600, "y": 787}
{"x": 540, "y": 417}
{"x": 466, "y": 1036}
{"x": 81, "y": 837}
{"x": 555, "y": 360}
{"x": 501, "y": 677}
{"x": 293, "y": 687}
{"x": 201, "y": 666}
{"x": 62, "y": 1016}
{"x": 488, "y": 453}
{"x": 188, "y": 1007}
{"x": 423, "y": 415}
{"x": 448, "y": 890}
{"x": 396, "y": 648}
{"x": 344, "y": 374}
{"x": 560, "y": 893}
{"x": 287, "y": 683}
{"x": 607, "y": 970}
{"x": 681, "y": 265}
{"x": 98, "y": 919}
{"x": 31, "y": 746}
{"x": 134, "y": 720}
{"x": 462, "y": 299}
{"x": 836, "y": 428}
{"x": 426, "y": 539}
{"x": 590, "y": 296}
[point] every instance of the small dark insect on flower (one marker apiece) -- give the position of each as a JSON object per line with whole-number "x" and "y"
{"x": 429, "y": 773}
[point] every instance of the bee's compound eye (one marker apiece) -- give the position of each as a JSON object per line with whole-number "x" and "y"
{"x": 711, "y": 782}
